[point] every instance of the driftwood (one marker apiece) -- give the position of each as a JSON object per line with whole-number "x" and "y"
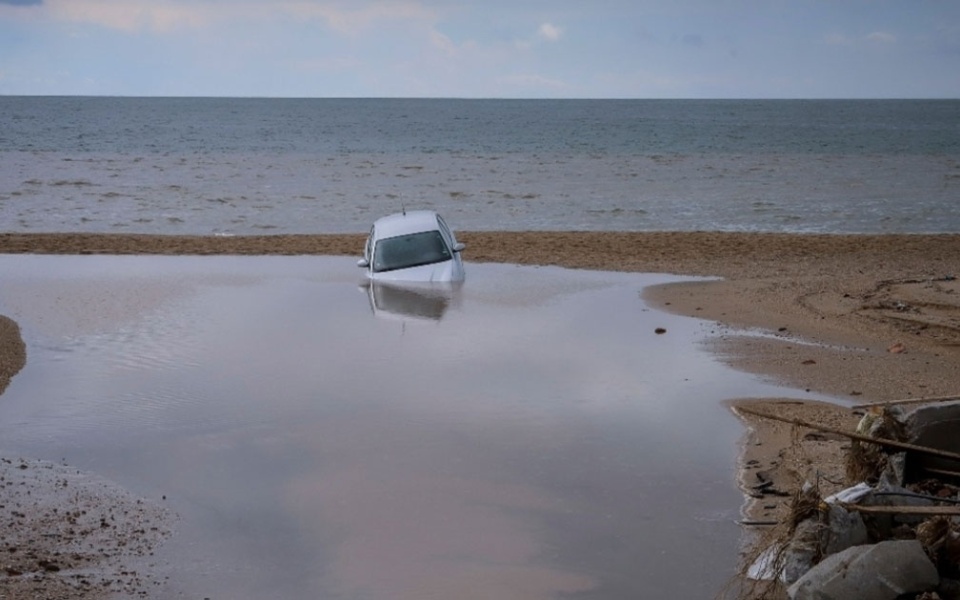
{"x": 930, "y": 399}
{"x": 947, "y": 511}
{"x": 854, "y": 436}
{"x": 943, "y": 472}
{"x": 759, "y": 523}
{"x": 916, "y": 495}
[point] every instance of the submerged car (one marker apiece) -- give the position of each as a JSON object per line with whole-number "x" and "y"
{"x": 415, "y": 245}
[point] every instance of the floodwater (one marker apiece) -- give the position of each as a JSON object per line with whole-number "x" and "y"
{"x": 525, "y": 436}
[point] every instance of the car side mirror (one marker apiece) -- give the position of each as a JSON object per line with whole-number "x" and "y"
{"x": 363, "y": 263}
{"x": 459, "y": 246}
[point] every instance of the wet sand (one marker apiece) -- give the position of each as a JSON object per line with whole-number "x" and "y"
{"x": 860, "y": 318}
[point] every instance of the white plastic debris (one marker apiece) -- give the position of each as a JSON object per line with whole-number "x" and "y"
{"x": 851, "y": 495}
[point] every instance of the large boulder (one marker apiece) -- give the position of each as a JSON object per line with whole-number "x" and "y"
{"x": 881, "y": 571}
{"x": 934, "y": 426}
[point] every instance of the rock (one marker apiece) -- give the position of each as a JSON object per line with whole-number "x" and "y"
{"x": 892, "y": 495}
{"x": 894, "y": 474}
{"x": 802, "y": 551}
{"x": 881, "y": 571}
{"x": 845, "y": 529}
{"x": 813, "y": 539}
{"x": 934, "y": 426}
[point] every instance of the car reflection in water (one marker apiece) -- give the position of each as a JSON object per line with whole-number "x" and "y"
{"x": 423, "y": 301}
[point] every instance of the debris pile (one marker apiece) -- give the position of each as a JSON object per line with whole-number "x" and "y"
{"x": 892, "y": 534}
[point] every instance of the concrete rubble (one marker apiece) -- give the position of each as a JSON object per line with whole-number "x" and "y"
{"x": 893, "y": 536}
{"x": 881, "y": 571}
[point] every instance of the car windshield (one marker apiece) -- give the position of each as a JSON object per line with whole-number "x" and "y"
{"x": 405, "y": 251}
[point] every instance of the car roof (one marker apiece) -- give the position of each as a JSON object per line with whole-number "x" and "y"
{"x": 404, "y": 223}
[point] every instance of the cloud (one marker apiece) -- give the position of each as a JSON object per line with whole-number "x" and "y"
{"x": 360, "y": 16}
{"x": 133, "y": 15}
{"x": 150, "y": 15}
{"x": 882, "y": 37}
{"x": 550, "y": 32}
{"x": 442, "y": 42}
{"x": 444, "y": 47}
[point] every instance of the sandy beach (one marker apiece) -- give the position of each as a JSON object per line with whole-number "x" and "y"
{"x": 863, "y": 318}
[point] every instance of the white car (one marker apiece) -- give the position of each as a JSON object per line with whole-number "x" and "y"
{"x": 414, "y": 245}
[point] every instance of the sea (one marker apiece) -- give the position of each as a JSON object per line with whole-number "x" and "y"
{"x": 241, "y": 166}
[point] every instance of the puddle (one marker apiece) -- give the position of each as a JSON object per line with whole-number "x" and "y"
{"x": 526, "y": 435}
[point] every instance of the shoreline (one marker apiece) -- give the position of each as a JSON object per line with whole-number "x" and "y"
{"x": 860, "y": 318}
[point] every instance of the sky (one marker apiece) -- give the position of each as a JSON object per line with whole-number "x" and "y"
{"x": 482, "y": 48}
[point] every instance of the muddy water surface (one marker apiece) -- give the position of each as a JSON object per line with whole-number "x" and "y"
{"x": 526, "y": 436}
